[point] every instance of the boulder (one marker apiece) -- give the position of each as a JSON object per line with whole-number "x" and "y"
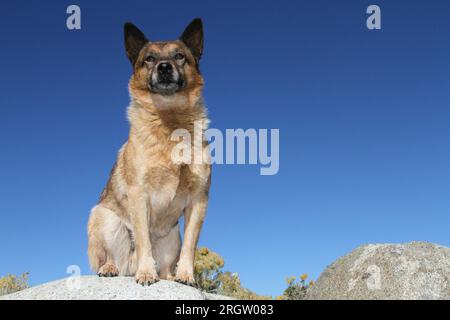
{"x": 410, "y": 271}
{"x": 117, "y": 288}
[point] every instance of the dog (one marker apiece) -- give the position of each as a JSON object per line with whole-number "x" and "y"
{"x": 134, "y": 229}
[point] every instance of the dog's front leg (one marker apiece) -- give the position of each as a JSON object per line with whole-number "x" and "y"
{"x": 193, "y": 216}
{"x": 140, "y": 216}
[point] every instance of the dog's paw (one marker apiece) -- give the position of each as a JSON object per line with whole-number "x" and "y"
{"x": 186, "y": 279}
{"x": 146, "y": 278}
{"x": 108, "y": 270}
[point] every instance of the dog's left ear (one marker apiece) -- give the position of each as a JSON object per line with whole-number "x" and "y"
{"x": 192, "y": 37}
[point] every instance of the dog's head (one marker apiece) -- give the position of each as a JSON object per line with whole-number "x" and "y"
{"x": 165, "y": 68}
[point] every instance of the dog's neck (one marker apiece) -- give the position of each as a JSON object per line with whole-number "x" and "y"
{"x": 162, "y": 116}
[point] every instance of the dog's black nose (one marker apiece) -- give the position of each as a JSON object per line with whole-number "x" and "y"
{"x": 164, "y": 68}
{"x": 165, "y": 72}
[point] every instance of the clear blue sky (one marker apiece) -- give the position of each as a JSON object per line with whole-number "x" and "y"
{"x": 364, "y": 119}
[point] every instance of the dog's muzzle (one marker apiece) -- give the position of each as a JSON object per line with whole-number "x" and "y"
{"x": 166, "y": 79}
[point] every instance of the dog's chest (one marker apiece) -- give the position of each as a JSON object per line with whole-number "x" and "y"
{"x": 170, "y": 191}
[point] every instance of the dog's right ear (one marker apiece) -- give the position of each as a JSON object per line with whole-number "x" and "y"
{"x": 135, "y": 40}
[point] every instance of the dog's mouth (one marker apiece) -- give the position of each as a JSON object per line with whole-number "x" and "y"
{"x": 166, "y": 79}
{"x": 166, "y": 87}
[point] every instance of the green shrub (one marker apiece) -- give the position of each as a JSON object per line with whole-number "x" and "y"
{"x": 207, "y": 269}
{"x": 210, "y": 277}
{"x": 296, "y": 290}
{"x": 12, "y": 283}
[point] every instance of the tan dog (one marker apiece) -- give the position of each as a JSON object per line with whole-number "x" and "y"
{"x": 134, "y": 228}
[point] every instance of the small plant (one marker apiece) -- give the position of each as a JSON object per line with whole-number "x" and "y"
{"x": 210, "y": 277}
{"x": 296, "y": 289}
{"x": 11, "y": 283}
{"x": 230, "y": 285}
{"x": 207, "y": 268}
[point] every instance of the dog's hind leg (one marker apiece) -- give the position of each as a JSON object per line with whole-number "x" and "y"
{"x": 96, "y": 246}
{"x": 103, "y": 228}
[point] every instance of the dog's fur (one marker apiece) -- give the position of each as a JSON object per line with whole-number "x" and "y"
{"x": 134, "y": 229}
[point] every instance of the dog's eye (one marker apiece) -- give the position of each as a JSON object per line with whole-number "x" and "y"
{"x": 150, "y": 59}
{"x": 179, "y": 56}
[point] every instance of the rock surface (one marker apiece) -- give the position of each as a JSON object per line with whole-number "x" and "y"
{"x": 118, "y": 288}
{"x": 415, "y": 270}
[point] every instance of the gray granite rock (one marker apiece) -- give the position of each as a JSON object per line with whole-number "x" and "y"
{"x": 117, "y": 288}
{"x": 415, "y": 270}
